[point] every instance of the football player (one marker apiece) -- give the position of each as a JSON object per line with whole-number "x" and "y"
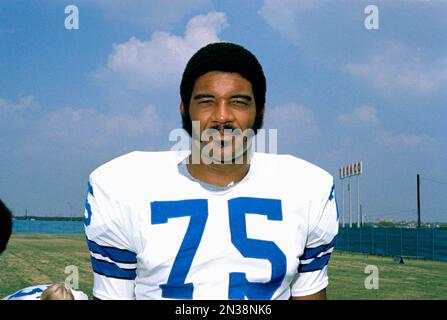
{"x": 57, "y": 291}
{"x": 5, "y": 226}
{"x": 219, "y": 221}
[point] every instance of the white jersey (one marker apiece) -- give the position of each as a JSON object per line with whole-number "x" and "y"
{"x": 154, "y": 233}
{"x": 34, "y": 293}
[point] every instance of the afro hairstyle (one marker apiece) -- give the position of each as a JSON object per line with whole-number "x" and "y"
{"x": 225, "y": 57}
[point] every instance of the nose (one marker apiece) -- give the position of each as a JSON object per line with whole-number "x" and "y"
{"x": 223, "y": 112}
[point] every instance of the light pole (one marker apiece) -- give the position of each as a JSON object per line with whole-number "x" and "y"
{"x": 348, "y": 171}
{"x": 418, "y": 177}
{"x": 350, "y": 203}
{"x": 343, "y": 202}
{"x": 358, "y": 201}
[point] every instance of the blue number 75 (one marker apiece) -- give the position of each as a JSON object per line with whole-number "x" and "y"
{"x": 197, "y": 209}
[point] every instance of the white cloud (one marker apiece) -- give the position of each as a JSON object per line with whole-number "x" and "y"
{"x": 397, "y": 69}
{"x": 402, "y": 139}
{"x": 29, "y": 129}
{"x": 292, "y": 120}
{"x": 364, "y": 115}
{"x": 323, "y": 31}
{"x": 282, "y": 15}
{"x": 92, "y": 128}
{"x": 160, "y": 61}
{"x": 398, "y": 58}
{"x": 16, "y": 115}
{"x": 24, "y": 103}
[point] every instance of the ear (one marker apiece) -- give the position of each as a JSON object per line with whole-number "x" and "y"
{"x": 182, "y": 109}
{"x": 261, "y": 111}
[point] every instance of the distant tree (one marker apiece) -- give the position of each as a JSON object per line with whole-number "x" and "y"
{"x": 386, "y": 224}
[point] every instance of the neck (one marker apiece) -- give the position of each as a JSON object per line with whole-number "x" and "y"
{"x": 218, "y": 174}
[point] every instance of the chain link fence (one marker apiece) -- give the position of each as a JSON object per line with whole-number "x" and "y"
{"x": 416, "y": 243}
{"x": 423, "y": 243}
{"x": 47, "y": 226}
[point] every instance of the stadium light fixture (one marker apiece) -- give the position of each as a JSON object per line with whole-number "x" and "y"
{"x": 346, "y": 172}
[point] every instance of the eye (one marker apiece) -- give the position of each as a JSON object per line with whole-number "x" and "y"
{"x": 240, "y": 102}
{"x": 206, "y": 101}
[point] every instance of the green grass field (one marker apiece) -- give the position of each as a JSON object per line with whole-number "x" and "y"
{"x": 32, "y": 259}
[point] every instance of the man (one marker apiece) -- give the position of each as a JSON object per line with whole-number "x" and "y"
{"x": 225, "y": 223}
{"x": 5, "y": 226}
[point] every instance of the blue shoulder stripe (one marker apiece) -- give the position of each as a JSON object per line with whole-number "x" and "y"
{"x": 115, "y": 254}
{"x": 316, "y": 264}
{"x": 88, "y": 219}
{"x": 332, "y": 194}
{"x": 90, "y": 189}
{"x": 310, "y": 253}
{"x": 111, "y": 270}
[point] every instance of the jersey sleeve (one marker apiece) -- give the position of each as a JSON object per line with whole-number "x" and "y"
{"x": 112, "y": 255}
{"x": 29, "y": 293}
{"x": 312, "y": 274}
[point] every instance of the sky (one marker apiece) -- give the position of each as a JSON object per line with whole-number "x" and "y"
{"x": 344, "y": 83}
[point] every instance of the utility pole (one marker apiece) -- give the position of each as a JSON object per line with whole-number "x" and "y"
{"x": 343, "y": 203}
{"x": 361, "y": 217}
{"x": 350, "y": 201}
{"x": 346, "y": 172}
{"x": 419, "y": 199}
{"x": 359, "y": 214}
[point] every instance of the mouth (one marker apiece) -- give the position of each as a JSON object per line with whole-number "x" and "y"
{"x": 222, "y": 139}
{"x": 223, "y": 134}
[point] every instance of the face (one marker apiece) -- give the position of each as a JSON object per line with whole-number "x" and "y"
{"x": 223, "y": 103}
